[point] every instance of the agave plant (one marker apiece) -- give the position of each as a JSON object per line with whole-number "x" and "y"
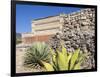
{"x": 39, "y": 51}
{"x": 63, "y": 60}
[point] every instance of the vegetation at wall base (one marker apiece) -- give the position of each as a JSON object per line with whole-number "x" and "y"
{"x": 63, "y": 60}
{"x": 42, "y": 57}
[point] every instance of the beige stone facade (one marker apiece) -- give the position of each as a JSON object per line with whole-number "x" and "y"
{"x": 45, "y": 27}
{"x": 42, "y": 29}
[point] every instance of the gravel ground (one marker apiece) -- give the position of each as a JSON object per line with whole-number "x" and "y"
{"x": 20, "y": 53}
{"x": 19, "y": 62}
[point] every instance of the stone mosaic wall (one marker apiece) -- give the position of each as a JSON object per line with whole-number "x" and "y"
{"x": 78, "y": 31}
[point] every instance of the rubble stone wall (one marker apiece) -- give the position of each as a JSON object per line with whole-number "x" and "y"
{"x": 78, "y": 31}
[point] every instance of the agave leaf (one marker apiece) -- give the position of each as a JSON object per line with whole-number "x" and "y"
{"x": 64, "y": 50}
{"x": 52, "y": 51}
{"x": 77, "y": 66}
{"x": 48, "y": 66}
{"x": 81, "y": 57}
{"x": 53, "y": 55}
{"x": 53, "y": 65}
{"x": 68, "y": 60}
{"x": 80, "y": 60}
{"x": 61, "y": 61}
{"x": 54, "y": 60}
{"x": 74, "y": 58}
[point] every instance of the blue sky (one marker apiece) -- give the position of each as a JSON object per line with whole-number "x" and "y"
{"x": 26, "y": 13}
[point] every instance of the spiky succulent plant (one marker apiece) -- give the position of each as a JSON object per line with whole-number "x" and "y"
{"x": 39, "y": 51}
{"x": 63, "y": 60}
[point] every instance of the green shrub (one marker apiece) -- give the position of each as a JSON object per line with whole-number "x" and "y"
{"x": 38, "y": 52}
{"x": 63, "y": 60}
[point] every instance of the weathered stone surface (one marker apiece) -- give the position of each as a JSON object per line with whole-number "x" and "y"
{"x": 78, "y": 31}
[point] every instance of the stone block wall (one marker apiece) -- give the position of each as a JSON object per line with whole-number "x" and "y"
{"x": 39, "y": 38}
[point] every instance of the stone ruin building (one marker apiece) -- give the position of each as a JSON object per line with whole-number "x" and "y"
{"x": 76, "y": 29}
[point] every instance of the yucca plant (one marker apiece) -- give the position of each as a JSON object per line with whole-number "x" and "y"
{"x": 38, "y": 52}
{"x": 63, "y": 60}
